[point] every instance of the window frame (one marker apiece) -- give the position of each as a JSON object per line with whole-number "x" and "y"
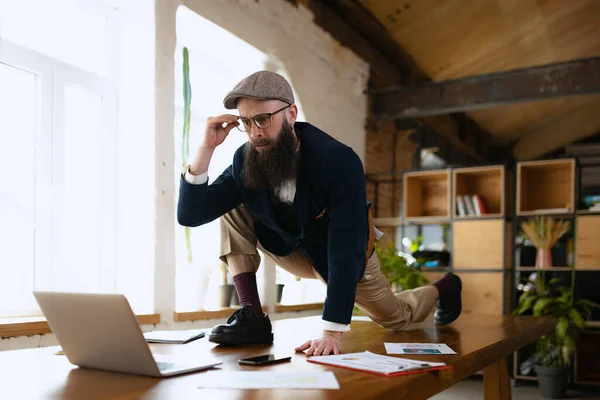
{"x": 51, "y": 77}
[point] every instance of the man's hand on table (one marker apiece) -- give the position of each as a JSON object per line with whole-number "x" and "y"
{"x": 330, "y": 343}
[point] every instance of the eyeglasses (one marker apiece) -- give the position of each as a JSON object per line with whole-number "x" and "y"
{"x": 263, "y": 121}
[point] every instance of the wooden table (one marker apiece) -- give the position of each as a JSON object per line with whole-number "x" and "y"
{"x": 482, "y": 343}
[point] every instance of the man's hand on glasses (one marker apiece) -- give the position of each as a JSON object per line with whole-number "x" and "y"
{"x": 217, "y": 129}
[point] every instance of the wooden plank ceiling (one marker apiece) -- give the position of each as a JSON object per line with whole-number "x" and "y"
{"x": 450, "y": 39}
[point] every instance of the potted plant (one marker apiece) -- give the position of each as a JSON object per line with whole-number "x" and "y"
{"x": 544, "y": 232}
{"x": 400, "y": 272}
{"x": 554, "y": 351}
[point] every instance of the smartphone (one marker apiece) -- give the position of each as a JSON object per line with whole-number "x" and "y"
{"x": 264, "y": 360}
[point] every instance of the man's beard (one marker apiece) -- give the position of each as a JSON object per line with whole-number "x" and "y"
{"x": 274, "y": 165}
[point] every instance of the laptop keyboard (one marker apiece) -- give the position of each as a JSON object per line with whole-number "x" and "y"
{"x": 164, "y": 365}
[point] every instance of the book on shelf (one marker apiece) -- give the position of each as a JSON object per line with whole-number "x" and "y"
{"x": 470, "y": 205}
{"x": 480, "y": 207}
{"x": 461, "y": 206}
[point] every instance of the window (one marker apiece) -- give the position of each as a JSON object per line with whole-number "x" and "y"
{"x": 17, "y": 195}
{"x": 58, "y": 149}
{"x": 211, "y": 75}
{"x": 72, "y": 31}
{"x": 84, "y": 153}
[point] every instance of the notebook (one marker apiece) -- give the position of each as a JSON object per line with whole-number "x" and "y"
{"x": 174, "y": 337}
{"x": 378, "y": 364}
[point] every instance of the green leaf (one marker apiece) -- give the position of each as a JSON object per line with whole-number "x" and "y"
{"x": 524, "y": 297}
{"x": 527, "y": 304}
{"x": 577, "y": 319}
{"x": 397, "y": 270}
{"x": 566, "y": 355}
{"x": 562, "y": 327}
{"x": 565, "y": 294}
{"x": 588, "y": 303}
{"x": 185, "y": 136}
{"x": 187, "y": 100}
{"x": 553, "y": 281}
{"x": 542, "y": 305}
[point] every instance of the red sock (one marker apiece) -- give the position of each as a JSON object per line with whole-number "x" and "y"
{"x": 444, "y": 284}
{"x": 247, "y": 290}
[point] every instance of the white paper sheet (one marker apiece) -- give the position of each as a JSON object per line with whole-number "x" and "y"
{"x": 418, "y": 348}
{"x": 368, "y": 361}
{"x": 268, "y": 380}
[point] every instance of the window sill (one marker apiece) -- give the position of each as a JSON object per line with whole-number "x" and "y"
{"x": 224, "y": 312}
{"x": 227, "y": 311}
{"x": 298, "y": 307}
{"x": 27, "y": 326}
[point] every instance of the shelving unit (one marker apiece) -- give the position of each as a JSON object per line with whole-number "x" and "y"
{"x": 479, "y": 245}
{"x": 550, "y": 187}
{"x": 482, "y": 247}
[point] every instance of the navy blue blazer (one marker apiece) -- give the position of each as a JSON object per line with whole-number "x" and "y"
{"x": 332, "y": 209}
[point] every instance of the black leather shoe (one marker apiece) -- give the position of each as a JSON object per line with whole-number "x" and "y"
{"x": 243, "y": 327}
{"x": 449, "y": 305}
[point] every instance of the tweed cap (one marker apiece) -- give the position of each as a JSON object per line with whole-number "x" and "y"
{"x": 262, "y": 85}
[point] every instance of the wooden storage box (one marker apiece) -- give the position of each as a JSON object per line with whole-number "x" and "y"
{"x": 483, "y": 293}
{"x": 546, "y": 187}
{"x": 481, "y": 244}
{"x": 485, "y": 182}
{"x": 587, "y": 239}
{"x": 426, "y": 195}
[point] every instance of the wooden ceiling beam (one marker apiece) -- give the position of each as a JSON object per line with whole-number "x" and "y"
{"x": 446, "y": 129}
{"x": 571, "y": 78}
{"x": 556, "y": 133}
{"x": 360, "y": 19}
{"x": 353, "y": 26}
{"x": 384, "y": 72}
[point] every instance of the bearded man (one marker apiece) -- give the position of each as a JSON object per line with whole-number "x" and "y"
{"x": 298, "y": 195}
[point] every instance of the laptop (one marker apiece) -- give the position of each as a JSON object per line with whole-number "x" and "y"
{"x": 100, "y": 331}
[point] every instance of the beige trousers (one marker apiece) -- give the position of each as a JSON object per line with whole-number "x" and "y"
{"x": 373, "y": 293}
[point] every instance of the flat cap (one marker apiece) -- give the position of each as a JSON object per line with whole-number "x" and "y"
{"x": 262, "y": 85}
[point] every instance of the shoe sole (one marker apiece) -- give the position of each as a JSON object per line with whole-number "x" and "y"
{"x": 234, "y": 340}
{"x": 451, "y": 320}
